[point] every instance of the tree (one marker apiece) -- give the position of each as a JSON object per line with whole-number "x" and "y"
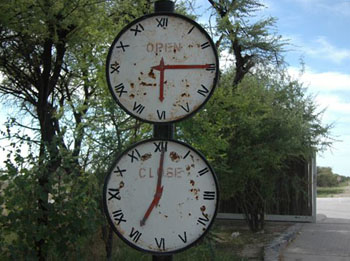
{"x": 51, "y": 59}
{"x": 251, "y": 132}
{"x": 252, "y": 44}
{"x": 326, "y": 177}
{"x": 259, "y": 119}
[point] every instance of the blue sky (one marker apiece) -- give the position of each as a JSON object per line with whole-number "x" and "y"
{"x": 318, "y": 33}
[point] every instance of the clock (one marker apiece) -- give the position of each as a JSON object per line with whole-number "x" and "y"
{"x": 162, "y": 68}
{"x": 161, "y": 196}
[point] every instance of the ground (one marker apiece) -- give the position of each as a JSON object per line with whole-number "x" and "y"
{"x": 339, "y": 192}
{"x": 236, "y": 236}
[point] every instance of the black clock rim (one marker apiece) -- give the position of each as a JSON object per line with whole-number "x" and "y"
{"x": 121, "y": 236}
{"x": 127, "y": 27}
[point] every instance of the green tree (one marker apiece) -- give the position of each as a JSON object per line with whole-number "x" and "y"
{"x": 326, "y": 177}
{"x": 251, "y": 132}
{"x": 52, "y": 59}
{"x": 252, "y": 42}
{"x": 259, "y": 119}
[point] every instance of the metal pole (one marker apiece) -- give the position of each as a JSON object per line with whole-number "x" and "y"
{"x": 165, "y": 131}
{"x": 164, "y": 6}
{"x": 162, "y": 258}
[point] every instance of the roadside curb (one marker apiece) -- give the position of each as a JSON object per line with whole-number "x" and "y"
{"x": 273, "y": 250}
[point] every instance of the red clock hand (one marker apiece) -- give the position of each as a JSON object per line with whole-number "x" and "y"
{"x": 159, "y": 191}
{"x": 184, "y": 66}
{"x": 162, "y": 67}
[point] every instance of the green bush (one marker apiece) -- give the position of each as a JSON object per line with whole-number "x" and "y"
{"x": 327, "y": 180}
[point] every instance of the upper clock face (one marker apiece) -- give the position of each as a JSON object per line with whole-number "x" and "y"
{"x": 162, "y": 68}
{"x": 161, "y": 196}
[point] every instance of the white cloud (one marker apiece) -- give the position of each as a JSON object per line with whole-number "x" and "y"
{"x": 337, "y": 158}
{"x": 322, "y": 82}
{"x": 226, "y": 60}
{"x": 332, "y": 90}
{"x": 334, "y": 103}
{"x": 322, "y": 48}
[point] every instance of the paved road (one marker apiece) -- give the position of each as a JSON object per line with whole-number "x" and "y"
{"x": 326, "y": 240}
{"x": 334, "y": 207}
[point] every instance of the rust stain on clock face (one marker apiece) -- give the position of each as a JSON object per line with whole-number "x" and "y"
{"x": 151, "y": 74}
{"x": 146, "y": 156}
{"x": 174, "y": 156}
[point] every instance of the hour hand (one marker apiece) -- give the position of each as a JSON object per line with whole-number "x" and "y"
{"x": 160, "y": 68}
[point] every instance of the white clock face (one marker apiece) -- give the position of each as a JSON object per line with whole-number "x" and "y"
{"x": 161, "y": 196}
{"x": 162, "y": 68}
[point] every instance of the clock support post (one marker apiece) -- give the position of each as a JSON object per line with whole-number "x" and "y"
{"x": 165, "y": 131}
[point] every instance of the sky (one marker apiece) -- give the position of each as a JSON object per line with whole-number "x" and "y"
{"x": 318, "y": 33}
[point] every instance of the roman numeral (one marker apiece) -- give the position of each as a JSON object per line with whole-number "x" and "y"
{"x": 211, "y": 67}
{"x": 138, "y": 29}
{"x": 209, "y": 195}
{"x": 204, "y": 91}
{"x": 187, "y": 108}
{"x": 203, "y": 171}
{"x": 188, "y": 153}
{"x": 120, "y": 89}
{"x": 190, "y": 31}
{"x": 114, "y": 193}
{"x": 162, "y": 22}
{"x": 120, "y": 171}
{"x": 118, "y": 216}
{"x": 135, "y": 235}
{"x": 205, "y": 45}
{"x": 138, "y": 108}
{"x": 160, "y": 243}
{"x": 161, "y": 115}
{"x": 160, "y": 146}
{"x": 115, "y": 67}
{"x": 134, "y": 155}
{"x": 123, "y": 46}
{"x": 204, "y": 220}
{"x": 183, "y": 238}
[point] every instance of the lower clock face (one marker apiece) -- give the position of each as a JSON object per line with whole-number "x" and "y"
{"x": 161, "y": 196}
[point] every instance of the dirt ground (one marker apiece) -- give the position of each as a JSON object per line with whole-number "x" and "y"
{"x": 346, "y": 193}
{"x": 236, "y": 236}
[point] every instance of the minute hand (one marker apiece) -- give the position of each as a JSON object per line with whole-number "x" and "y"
{"x": 186, "y": 66}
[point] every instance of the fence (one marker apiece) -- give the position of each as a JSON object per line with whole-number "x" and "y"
{"x": 294, "y": 202}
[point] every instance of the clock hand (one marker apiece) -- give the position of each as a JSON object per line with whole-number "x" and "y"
{"x": 159, "y": 191}
{"x": 186, "y": 66}
{"x": 162, "y": 67}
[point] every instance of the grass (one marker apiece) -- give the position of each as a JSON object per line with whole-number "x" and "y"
{"x": 217, "y": 245}
{"x": 329, "y": 192}
{"x": 209, "y": 249}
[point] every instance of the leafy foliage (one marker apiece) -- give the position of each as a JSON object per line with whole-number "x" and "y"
{"x": 51, "y": 58}
{"x": 250, "y": 133}
{"x": 326, "y": 177}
